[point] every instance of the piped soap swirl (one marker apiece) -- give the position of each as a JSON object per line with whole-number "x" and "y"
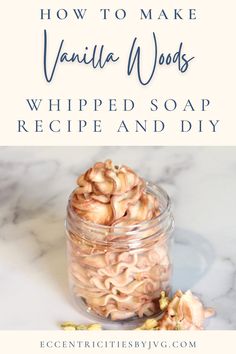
{"x": 113, "y": 195}
{"x": 119, "y": 258}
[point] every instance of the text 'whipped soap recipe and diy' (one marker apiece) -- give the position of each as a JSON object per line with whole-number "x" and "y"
{"x": 139, "y": 64}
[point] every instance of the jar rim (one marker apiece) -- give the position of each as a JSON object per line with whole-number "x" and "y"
{"x": 127, "y": 228}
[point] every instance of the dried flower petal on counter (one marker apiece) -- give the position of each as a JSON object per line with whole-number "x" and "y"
{"x": 185, "y": 312}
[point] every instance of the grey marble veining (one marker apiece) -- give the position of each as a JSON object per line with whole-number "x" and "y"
{"x": 34, "y": 186}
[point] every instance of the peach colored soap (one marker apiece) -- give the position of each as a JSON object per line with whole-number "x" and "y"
{"x": 118, "y": 228}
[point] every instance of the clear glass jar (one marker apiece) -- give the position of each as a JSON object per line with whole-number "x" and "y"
{"x": 118, "y": 273}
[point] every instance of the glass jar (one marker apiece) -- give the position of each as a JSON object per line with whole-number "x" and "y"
{"x": 118, "y": 272}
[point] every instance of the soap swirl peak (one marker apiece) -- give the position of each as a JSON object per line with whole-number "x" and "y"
{"x": 113, "y": 195}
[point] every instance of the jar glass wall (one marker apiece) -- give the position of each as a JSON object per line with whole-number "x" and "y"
{"x": 117, "y": 273}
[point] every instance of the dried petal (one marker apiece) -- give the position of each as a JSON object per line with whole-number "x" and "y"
{"x": 185, "y": 312}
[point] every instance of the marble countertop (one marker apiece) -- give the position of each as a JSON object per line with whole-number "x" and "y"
{"x": 34, "y": 187}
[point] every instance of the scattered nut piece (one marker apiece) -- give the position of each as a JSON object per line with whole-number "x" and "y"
{"x": 70, "y": 326}
{"x": 81, "y": 327}
{"x": 95, "y": 327}
{"x": 149, "y": 324}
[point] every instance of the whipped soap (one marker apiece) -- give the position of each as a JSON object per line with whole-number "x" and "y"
{"x": 118, "y": 233}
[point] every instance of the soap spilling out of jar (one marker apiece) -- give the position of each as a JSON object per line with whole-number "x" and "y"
{"x": 119, "y": 230}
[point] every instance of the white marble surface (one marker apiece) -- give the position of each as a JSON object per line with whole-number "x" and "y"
{"x": 34, "y": 186}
